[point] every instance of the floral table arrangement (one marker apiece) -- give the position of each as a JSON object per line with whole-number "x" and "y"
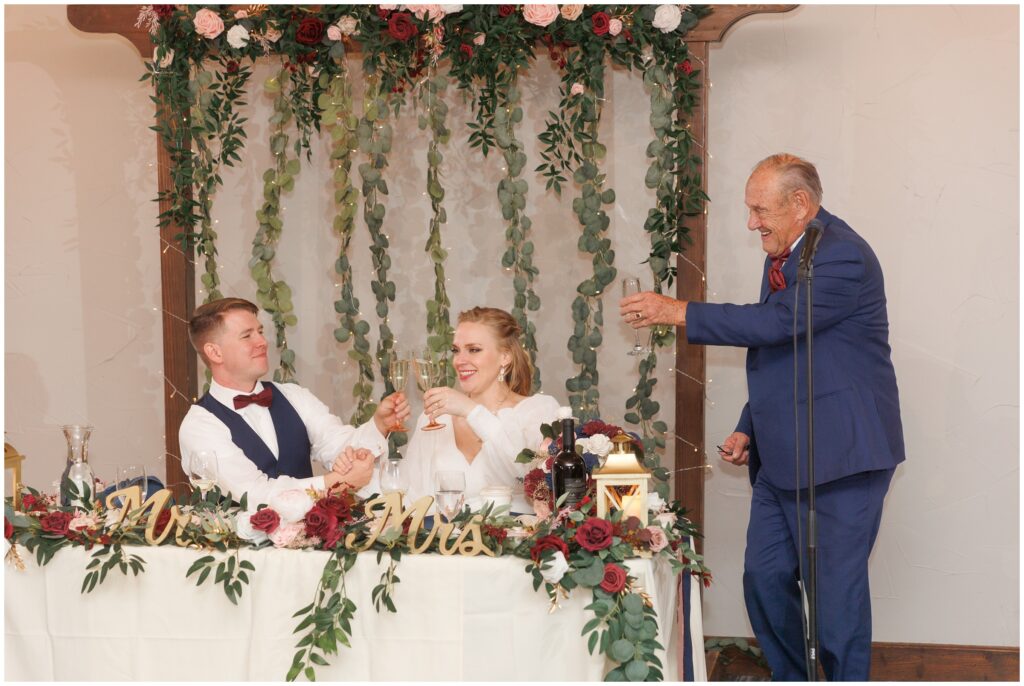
{"x": 567, "y": 549}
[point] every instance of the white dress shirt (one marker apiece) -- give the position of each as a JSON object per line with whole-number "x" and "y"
{"x": 504, "y": 435}
{"x": 237, "y": 474}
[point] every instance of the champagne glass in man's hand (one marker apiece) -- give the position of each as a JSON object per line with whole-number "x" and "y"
{"x": 398, "y": 375}
{"x": 631, "y": 286}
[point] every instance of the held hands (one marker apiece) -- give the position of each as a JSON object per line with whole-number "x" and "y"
{"x": 352, "y": 468}
{"x": 649, "y": 308}
{"x": 736, "y": 448}
{"x": 442, "y": 400}
{"x": 392, "y": 411}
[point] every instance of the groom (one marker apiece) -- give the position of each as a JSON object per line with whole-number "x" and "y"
{"x": 266, "y": 435}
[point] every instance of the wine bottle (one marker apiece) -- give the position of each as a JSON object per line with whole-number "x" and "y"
{"x": 568, "y": 471}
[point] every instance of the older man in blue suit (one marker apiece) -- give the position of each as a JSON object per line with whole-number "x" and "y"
{"x": 858, "y": 434}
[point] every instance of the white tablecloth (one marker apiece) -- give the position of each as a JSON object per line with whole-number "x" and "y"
{"x": 458, "y": 619}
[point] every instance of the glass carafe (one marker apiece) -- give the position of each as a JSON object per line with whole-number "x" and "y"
{"x": 78, "y": 469}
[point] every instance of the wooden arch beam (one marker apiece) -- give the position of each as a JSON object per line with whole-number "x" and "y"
{"x": 177, "y": 274}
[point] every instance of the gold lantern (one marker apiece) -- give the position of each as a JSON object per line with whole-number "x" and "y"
{"x": 621, "y": 484}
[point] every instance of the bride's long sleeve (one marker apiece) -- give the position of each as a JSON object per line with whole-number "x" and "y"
{"x": 508, "y": 434}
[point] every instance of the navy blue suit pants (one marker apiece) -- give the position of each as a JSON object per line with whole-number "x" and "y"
{"x": 849, "y": 511}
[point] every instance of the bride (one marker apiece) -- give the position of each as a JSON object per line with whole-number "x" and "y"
{"x": 488, "y": 421}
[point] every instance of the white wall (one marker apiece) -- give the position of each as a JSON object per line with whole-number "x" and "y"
{"x": 911, "y": 114}
{"x": 82, "y": 338}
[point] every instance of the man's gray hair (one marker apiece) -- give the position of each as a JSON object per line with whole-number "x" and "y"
{"x": 794, "y": 173}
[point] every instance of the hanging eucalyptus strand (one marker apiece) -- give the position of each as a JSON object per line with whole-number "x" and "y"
{"x": 587, "y": 308}
{"x": 338, "y": 116}
{"x": 512, "y": 195}
{"x": 440, "y": 333}
{"x": 276, "y": 296}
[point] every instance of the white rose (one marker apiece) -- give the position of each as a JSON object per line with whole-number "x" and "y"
{"x": 238, "y": 36}
{"x": 667, "y": 18}
{"x": 451, "y": 9}
{"x": 348, "y": 25}
{"x": 599, "y": 445}
{"x": 655, "y": 502}
{"x": 555, "y": 568}
{"x": 291, "y": 505}
{"x": 564, "y": 413}
{"x": 245, "y": 529}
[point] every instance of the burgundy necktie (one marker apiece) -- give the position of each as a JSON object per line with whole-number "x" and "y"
{"x": 262, "y": 398}
{"x": 776, "y": 280}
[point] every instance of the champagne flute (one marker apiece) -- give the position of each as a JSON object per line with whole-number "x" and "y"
{"x": 202, "y": 470}
{"x": 631, "y": 286}
{"x": 428, "y": 375}
{"x": 130, "y": 475}
{"x": 391, "y": 477}
{"x": 398, "y": 375}
{"x": 450, "y": 494}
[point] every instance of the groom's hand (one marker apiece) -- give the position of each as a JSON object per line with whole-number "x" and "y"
{"x": 393, "y": 410}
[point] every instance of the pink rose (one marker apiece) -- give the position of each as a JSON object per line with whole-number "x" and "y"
{"x": 432, "y": 12}
{"x": 208, "y": 24}
{"x": 273, "y": 34}
{"x": 540, "y": 15}
{"x": 542, "y": 508}
{"x": 479, "y": 39}
{"x": 241, "y": 14}
{"x": 333, "y": 32}
{"x": 577, "y": 89}
{"x": 286, "y": 534}
{"x": 658, "y": 538}
{"x": 615, "y": 27}
{"x": 666, "y": 519}
{"x": 348, "y": 25}
{"x": 572, "y": 12}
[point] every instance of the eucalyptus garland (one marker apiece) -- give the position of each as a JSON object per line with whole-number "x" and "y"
{"x": 440, "y": 333}
{"x": 512, "y": 195}
{"x": 275, "y": 296}
{"x": 338, "y": 115}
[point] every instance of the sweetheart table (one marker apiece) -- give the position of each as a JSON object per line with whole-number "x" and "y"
{"x": 459, "y": 618}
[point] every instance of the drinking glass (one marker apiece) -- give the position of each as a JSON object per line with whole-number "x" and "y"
{"x": 398, "y": 375}
{"x": 631, "y": 286}
{"x": 430, "y": 371}
{"x": 391, "y": 480}
{"x": 131, "y": 474}
{"x": 202, "y": 470}
{"x": 450, "y": 494}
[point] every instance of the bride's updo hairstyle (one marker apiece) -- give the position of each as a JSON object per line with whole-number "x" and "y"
{"x": 519, "y": 375}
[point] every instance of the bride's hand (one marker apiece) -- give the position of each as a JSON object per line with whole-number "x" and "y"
{"x": 439, "y": 401}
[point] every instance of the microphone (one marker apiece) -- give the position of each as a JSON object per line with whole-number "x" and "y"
{"x": 812, "y": 236}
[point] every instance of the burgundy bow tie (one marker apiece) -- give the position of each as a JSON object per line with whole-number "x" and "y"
{"x": 776, "y": 280}
{"x": 263, "y": 398}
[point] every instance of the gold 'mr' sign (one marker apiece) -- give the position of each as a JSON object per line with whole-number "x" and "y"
{"x": 131, "y": 499}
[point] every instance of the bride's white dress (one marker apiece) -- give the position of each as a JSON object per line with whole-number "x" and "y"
{"x": 504, "y": 435}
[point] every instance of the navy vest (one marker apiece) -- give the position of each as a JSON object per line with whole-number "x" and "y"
{"x": 293, "y": 445}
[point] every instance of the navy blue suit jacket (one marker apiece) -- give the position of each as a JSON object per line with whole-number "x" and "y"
{"x": 857, "y": 425}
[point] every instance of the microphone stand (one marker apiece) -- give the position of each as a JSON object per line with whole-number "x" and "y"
{"x": 811, "y": 582}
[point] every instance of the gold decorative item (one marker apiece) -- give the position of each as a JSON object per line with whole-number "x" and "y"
{"x": 131, "y": 502}
{"x": 12, "y": 461}
{"x": 390, "y": 515}
{"x": 621, "y": 483}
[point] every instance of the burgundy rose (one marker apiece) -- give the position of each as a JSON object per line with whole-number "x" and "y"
{"x": 595, "y": 534}
{"x": 548, "y": 543}
{"x": 332, "y": 537}
{"x": 506, "y": 10}
{"x": 628, "y": 34}
{"x": 496, "y": 532}
{"x": 310, "y": 31}
{"x": 534, "y": 479}
{"x": 614, "y": 578}
{"x": 163, "y": 11}
{"x": 383, "y": 13}
{"x": 232, "y": 67}
{"x": 600, "y": 20}
{"x": 9, "y": 528}
{"x": 162, "y": 520}
{"x": 30, "y": 503}
{"x": 56, "y": 522}
{"x": 337, "y": 506}
{"x": 265, "y": 520}
{"x": 400, "y": 26}
{"x": 596, "y": 426}
{"x": 319, "y": 522}
{"x": 466, "y": 50}
{"x": 686, "y": 66}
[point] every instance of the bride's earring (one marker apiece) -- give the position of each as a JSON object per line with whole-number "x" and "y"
{"x": 501, "y": 374}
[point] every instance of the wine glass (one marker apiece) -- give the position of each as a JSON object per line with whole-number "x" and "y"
{"x": 429, "y": 373}
{"x": 202, "y": 470}
{"x": 450, "y": 494}
{"x": 631, "y": 286}
{"x": 130, "y": 475}
{"x": 391, "y": 478}
{"x": 398, "y": 375}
